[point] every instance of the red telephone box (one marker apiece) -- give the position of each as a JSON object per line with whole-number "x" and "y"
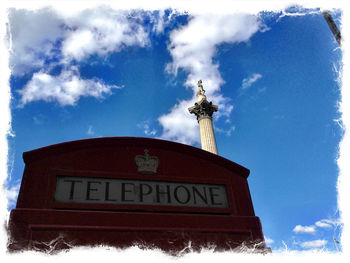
{"x": 124, "y": 191}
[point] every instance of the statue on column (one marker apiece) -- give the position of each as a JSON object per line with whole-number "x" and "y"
{"x": 200, "y": 87}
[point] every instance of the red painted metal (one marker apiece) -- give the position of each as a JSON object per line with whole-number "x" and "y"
{"x": 39, "y": 222}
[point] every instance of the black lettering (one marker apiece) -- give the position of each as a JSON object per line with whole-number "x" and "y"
{"x": 124, "y": 191}
{"x": 107, "y": 193}
{"x": 72, "y": 185}
{"x": 167, "y": 192}
{"x": 213, "y": 195}
{"x": 203, "y": 197}
{"x": 177, "y": 197}
{"x": 143, "y": 193}
{"x": 89, "y": 189}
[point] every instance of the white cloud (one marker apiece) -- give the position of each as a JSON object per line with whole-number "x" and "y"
{"x": 101, "y": 31}
{"x": 247, "y": 82}
{"x": 304, "y": 229}
{"x": 192, "y": 48}
{"x": 324, "y": 223}
{"x": 65, "y": 88}
{"x": 11, "y": 194}
{"x": 179, "y": 124}
{"x": 34, "y": 36}
{"x": 42, "y": 39}
{"x": 314, "y": 244}
{"x": 31, "y": 38}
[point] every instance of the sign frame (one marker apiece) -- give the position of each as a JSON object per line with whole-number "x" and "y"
{"x": 53, "y": 173}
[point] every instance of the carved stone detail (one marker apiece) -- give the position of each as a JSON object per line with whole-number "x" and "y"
{"x": 204, "y": 109}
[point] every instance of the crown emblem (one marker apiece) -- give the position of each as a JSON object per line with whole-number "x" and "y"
{"x": 146, "y": 164}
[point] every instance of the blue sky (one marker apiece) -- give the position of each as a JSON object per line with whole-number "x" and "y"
{"x": 104, "y": 72}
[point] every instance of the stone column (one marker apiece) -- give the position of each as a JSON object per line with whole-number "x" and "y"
{"x": 207, "y": 135}
{"x": 204, "y": 111}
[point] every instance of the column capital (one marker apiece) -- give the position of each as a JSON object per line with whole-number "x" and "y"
{"x": 203, "y": 109}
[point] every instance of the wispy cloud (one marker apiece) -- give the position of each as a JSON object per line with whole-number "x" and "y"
{"x": 38, "y": 119}
{"x": 304, "y": 229}
{"x": 323, "y": 224}
{"x": 247, "y": 82}
{"x": 326, "y": 223}
{"x": 228, "y": 131}
{"x": 90, "y": 131}
{"x": 297, "y": 11}
{"x": 192, "y": 48}
{"x": 319, "y": 243}
{"x": 147, "y": 130}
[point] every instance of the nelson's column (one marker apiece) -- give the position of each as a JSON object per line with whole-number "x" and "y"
{"x": 204, "y": 110}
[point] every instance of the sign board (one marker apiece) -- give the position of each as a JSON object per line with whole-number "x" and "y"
{"x": 120, "y": 190}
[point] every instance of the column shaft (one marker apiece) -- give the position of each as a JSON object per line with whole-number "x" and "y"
{"x": 207, "y": 135}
